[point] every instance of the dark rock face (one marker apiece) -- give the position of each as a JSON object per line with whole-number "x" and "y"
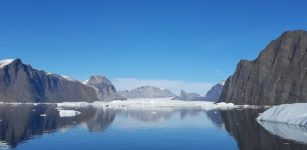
{"x": 22, "y": 83}
{"x": 277, "y": 76}
{"x": 146, "y": 92}
{"x": 215, "y": 92}
{"x": 104, "y": 88}
{"x": 188, "y": 96}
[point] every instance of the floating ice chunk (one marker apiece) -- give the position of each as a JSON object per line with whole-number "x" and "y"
{"x": 43, "y": 115}
{"x": 68, "y": 113}
{"x": 225, "y": 105}
{"x": 4, "y": 145}
{"x": 286, "y": 113}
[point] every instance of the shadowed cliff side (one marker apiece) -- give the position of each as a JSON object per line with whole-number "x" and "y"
{"x": 277, "y": 76}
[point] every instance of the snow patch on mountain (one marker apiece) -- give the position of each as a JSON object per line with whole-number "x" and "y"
{"x": 5, "y": 62}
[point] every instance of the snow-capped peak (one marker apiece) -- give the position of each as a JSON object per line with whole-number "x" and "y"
{"x": 5, "y": 62}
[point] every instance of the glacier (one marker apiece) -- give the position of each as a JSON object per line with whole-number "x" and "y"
{"x": 150, "y": 103}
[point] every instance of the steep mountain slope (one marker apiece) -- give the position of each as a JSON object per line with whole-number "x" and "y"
{"x": 277, "y": 76}
{"x": 21, "y": 83}
{"x": 215, "y": 92}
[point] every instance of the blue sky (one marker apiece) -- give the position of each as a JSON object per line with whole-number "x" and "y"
{"x": 182, "y": 40}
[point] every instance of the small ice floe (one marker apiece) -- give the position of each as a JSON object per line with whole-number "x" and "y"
{"x": 225, "y": 105}
{"x": 43, "y": 115}
{"x": 68, "y": 113}
{"x": 4, "y": 145}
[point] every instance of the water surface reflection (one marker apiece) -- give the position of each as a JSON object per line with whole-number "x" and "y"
{"x": 23, "y": 123}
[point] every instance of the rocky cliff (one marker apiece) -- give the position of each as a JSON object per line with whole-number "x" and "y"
{"x": 277, "y": 76}
{"x": 147, "y": 92}
{"x": 104, "y": 88}
{"x": 21, "y": 83}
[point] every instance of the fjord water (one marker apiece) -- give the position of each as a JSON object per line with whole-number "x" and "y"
{"x": 37, "y": 127}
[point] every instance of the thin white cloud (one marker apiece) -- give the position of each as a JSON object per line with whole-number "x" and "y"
{"x": 173, "y": 85}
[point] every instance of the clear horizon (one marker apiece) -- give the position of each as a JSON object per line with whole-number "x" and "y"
{"x": 173, "y": 44}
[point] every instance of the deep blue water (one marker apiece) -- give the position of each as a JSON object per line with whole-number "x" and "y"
{"x": 23, "y": 127}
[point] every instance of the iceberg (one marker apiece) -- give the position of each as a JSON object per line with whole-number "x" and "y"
{"x": 286, "y": 113}
{"x": 68, "y": 113}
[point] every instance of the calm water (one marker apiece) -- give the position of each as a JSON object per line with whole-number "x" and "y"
{"x": 23, "y": 127}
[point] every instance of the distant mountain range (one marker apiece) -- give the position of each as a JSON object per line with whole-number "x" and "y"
{"x": 212, "y": 95}
{"x": 188, "y": 96}
{"x": 22, "y": 83}
{"x": 147, "y": 92}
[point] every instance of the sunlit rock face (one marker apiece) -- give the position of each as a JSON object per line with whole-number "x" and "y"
{"x": 104, "y": 88}
{"x": 147, "y": 92}
{"x": 277, "y": 76}
{"x": 22, "y": 83}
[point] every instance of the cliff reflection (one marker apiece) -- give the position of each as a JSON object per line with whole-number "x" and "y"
{"x": 23, "y": 122}
{"x": 250, "y": 135}
{"x": 19, "y": 123}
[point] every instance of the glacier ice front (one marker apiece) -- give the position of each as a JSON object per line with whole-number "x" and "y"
{"x": 286, "y": 113}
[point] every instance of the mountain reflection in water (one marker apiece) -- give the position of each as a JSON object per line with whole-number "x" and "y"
{"x": 22, "y": 123}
